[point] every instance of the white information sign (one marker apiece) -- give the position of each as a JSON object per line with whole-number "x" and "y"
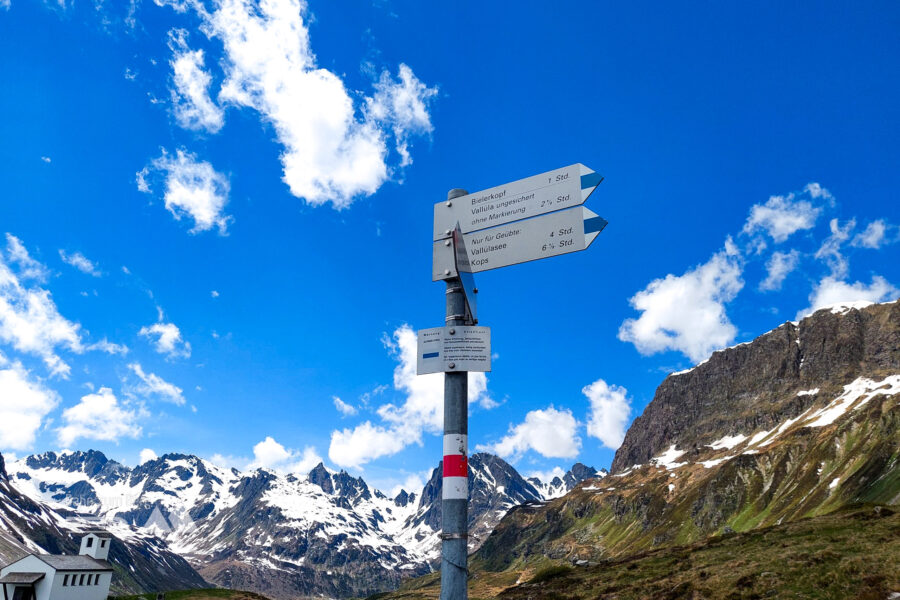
{"x": 517, "y": 200}
{"x": 453, "y": 348}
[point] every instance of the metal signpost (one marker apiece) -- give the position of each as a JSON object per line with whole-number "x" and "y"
{"x": 533, "y": 218}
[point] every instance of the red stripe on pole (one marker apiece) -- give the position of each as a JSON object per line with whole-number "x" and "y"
{"x": 456, "y": 465}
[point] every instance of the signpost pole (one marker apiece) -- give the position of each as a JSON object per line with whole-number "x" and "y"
{"x": 455, "y": 494}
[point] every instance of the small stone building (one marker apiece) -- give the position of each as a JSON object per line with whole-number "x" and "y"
{"x": 86, "y": 576}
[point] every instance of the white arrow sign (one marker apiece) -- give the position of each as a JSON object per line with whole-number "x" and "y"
{"x": 548, "y": 235}
{"x": 522, "y": 199}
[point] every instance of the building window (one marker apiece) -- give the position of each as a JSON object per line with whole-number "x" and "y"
{"x": 81, "y": 580}
{"x": 65, "y": 580}
{"x": 90, "y": 541}
{"x": 97, "y": 579}
{"x": 103, "y": 543}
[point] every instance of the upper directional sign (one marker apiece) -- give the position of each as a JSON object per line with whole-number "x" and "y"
{"x": 529, "y": 197}
{"x": 548, "y": 235}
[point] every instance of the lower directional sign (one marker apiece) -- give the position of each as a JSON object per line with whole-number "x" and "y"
{"x": 453, "y": 348}
{"x": 560, "y": 232}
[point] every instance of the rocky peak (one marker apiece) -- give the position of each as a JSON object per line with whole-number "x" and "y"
{"x": 322, "y": 478}
{"x": 757, "y": 385}
{"x": 3, "y": 475}
{"x": 578, "y": 473}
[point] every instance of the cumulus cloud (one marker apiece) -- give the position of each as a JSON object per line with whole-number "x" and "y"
{"x": 832, "y": 291}
{"x": 335, "y": 149}
{"x": 269, "y": 454}
{"x": 781, "y": 216}
{"x": 29, "y": 319}
{"x": 778, "y": 267}
{"x": 403, "y": 424}
{"x": 830, "y": 250}
{"x": 80, "y": 262}
{"x": 152, "y": 385}
{"x": 193, "y": 189}
{"x": 348, "y": 410}
{"x": 99, "y": 416}
{"x": 166, "y": 339}
{"x": 147, "y": 455}
{"x": 194, "y": 109}
{"x": 24, "y": 402}
{"x": 609, "y": 412}
{"x": 687, "y": 312}
{"x": 550, "y": 432}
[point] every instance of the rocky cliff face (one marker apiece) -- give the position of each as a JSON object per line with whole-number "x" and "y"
{"x": 755, "y": 386}
{"x": 801, "y": 422}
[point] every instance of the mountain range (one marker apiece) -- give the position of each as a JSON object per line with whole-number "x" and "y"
{"x": 190, "y": 523}
{"x": 800, "y": 425}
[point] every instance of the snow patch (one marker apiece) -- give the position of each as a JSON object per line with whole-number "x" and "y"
{"x": 667, "y": 459}
{"x": 811, "y": 392}
{"x": 728, "y": 442}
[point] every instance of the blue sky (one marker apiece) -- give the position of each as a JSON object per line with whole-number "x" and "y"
{"x": 218, "y": 215}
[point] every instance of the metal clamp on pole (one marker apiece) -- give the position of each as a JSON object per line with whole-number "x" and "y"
{"x": 454, "y": 536}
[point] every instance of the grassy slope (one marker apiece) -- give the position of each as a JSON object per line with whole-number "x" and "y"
{"x": 203, "y": 594}
{"x": 852, "y": 553}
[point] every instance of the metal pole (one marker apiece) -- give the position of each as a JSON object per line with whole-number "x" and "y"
{"x": 455, "y": 485}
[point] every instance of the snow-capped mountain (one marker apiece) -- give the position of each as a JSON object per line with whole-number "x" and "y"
{"x": 281, "y": 535}
{"x": 141, "y": 562}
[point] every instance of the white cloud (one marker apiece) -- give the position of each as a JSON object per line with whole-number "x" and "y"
{"x": 832, "y": 291}
{"x": 404, "y": 106}
{"x": 551, "y": 433}
{"x": 46, "y": 159}
{"x": 609, "y": 412}
{"x": 269, "y": 454}
{"x": 687, "y": 313}
{"x": 830, "y": 251}
{"x": 214, "y": 294}
{"x": 24, "y": 402}
{"x": 147, "y": 455}
{"x": 108, "y": 347}
{"x": 80, "y": 262}
{"x": 414, "y": 483}
{"x": 782, "y": 216}
{"x": 18, "y": 255}
{"x": 874, "y": 236}
{"x": 154, "y": 385}
{"x": 422, "y": 410}
{"x": 168, "y": 339}
{"x": 334, "y": 149}
{"x": 778, "y": 267}
{"x": 193, "y": 188}
{"x": 365, "y": 443}
{"x": 194, "y": 109}
{"x": 99, "y": 416}
{"x": 29, "y": 319}
{"x": 348, "y": 410}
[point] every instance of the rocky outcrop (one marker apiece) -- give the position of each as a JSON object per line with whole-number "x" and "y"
{"x": 755, "y": 386}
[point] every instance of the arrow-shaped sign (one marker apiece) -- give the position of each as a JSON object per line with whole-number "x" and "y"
{"x": 552, "y": 234}
{"x": 522, "y": 199}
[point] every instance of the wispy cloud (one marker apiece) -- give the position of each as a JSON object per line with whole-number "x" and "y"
{"x": 194, "y": 109}
{"x": 152, "y": 385}
{"x": 166, "y": 338}
{"x": 80, "y": 262}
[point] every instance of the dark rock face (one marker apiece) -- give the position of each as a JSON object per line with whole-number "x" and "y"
{"x": 754, "y": 386}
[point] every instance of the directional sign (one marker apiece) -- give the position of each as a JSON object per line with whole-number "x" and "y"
{"x": 549, "y": 235}
{"x": 453, "y": 348}
{"x": 529, "y": 197}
